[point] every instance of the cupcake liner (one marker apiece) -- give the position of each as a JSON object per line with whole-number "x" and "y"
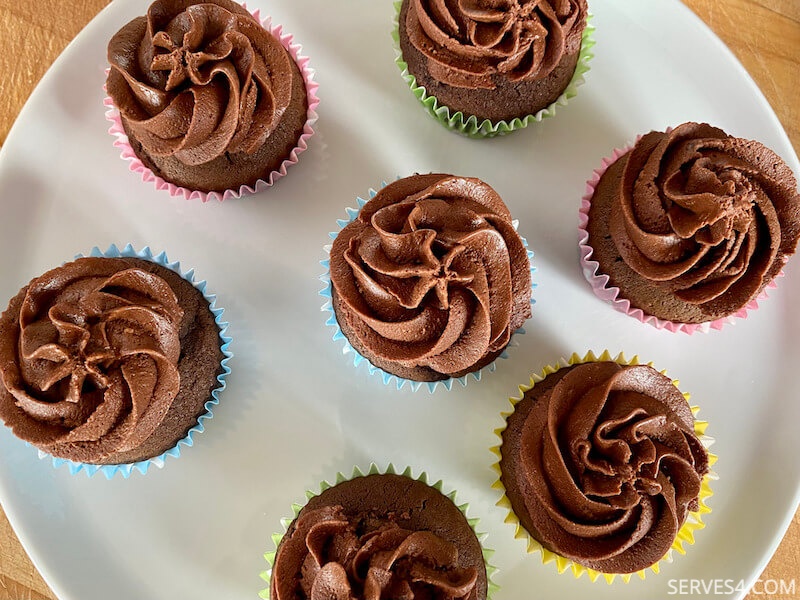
{"x": 147, "y": 175}
{"x": 470, "y": 126}
{"x": 374, "y": 470}
{"x": 126, "y": 469}
{"x": 327, "y": 307}
{"x": 600, "y": 282}
{"x": 694, "y": 520}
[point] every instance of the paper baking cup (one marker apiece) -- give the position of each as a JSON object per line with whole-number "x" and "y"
{"x": 125, "y": 470}
{"x": 600, "y": 282}
{"x": 470, "y": 126}
{"x": 374, "y": 470}
{"x": 694, "y": 520}
{"x": 327, "y": 307}
{"x": 147, "y": 175}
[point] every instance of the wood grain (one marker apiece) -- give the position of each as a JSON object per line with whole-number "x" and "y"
{"x": 19, "y": 580}
{"x": 765, "y": 37}
{"x": 763, "y": 34}
{"x": 33, "y": 35}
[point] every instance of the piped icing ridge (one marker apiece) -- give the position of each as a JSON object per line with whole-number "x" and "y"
{"x": 469, "y": 42}
{"x": 705, "y": 216}
{"x": 91, "y": 362}
{"x": 431, "y": 274}
{"x": 338, "y": 556}
{"x": 607, "y": 464}
{"x": 199, "y": 80}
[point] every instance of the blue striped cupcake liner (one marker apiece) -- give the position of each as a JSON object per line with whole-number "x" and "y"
{"x": 125, "y": 470}
{"x": 389, "y": 378}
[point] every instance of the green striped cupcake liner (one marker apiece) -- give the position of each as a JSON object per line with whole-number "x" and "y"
{"x": 470, "y": 126}
{"x": 375, "y": 470}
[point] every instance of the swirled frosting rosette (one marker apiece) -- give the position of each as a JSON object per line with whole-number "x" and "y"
{"x": 603, "y": 467}
{"x": 429, "y": 280}
{"x": 688, "y": 228}
{"x": 485, "y": 68}
{"x": 379, "y": 536}
{"x": 111, "y": 362}
{"x": 205, "y": 101}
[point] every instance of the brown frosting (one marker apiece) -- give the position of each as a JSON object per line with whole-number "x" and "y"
{"x": 468, "y": 43}
{"x": 705, "y": 216}
{"x": 431, "y": 275}
{"x": 602, "y": 465}
{"x": 198, "y": 81}
{"x": 380, "y": 536}
{"x": 90, "y": 358}
{"x": 337, "y": 560}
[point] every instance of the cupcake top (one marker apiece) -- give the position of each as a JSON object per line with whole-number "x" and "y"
{"x": 469, "y": 43}
{"x": 199, "y": 80}
{"x": 602, "y": 465}
{"x": 91, "y": 358}
{"x": 379, "y": 537}
{"x": 702, "y": 219}
{"x": 431, "y": 279}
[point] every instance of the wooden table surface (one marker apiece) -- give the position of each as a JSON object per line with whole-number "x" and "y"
{"x": 764, "y": 35}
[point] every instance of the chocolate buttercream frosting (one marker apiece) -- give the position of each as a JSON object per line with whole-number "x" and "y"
{"x": 700, "y": 220}
{"x": 379, "y": 537}
{"x": 203, "y": 86}
{"x": 90, "y": 358}
{"x": 480, "y": 56}
{"x": 467, "y": 42}
{"x": 602, "y": 465}
{"x": 431, "y": 279}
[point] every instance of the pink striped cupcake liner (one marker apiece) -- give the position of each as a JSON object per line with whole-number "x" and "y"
{"x": 601, "y": 284}
{"x": 147, "y": 175}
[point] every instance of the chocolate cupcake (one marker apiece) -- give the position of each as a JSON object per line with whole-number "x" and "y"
{"x": 430, "y": 279}
{"x": 110, "y": 361}
{"x": 209, "y": 99}
{"x": 688, "y": 227}
{"x": 602, "y": 463}
{"x": 493, "y": 62}
{"x": 381, "y": 535}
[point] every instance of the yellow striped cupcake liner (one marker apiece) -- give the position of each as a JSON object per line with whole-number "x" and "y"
{"x": 694, "y": 520}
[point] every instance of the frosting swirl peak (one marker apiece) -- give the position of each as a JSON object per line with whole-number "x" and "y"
{"x": 337, "y": 560}
{"x": 91, "y": 361}
{"x": 602, "y": 464}
{"x": 199, "y": 80}
{"x": 431, "y": 276}
{"x": 704, "y": 216}
{"x": 468, "y": 42}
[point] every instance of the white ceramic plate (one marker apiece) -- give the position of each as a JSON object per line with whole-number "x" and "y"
{"x": 296, "y": 411}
